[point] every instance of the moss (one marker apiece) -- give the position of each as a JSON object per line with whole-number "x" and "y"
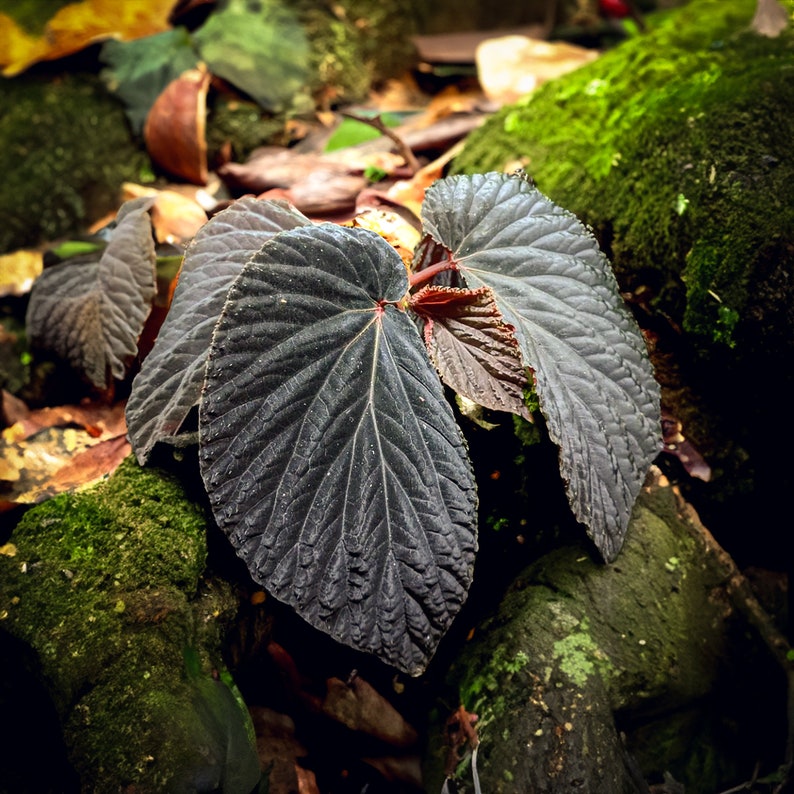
{"x": 672, "y": 146}
{"x": 106, "y": 586}
{"x": 357, "y": 44}
{"x": 65, "y": 150}
{"x": 243, "y": 125}
{"x": 579, "y": 656}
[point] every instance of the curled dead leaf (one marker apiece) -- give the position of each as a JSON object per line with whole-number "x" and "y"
{"x": 175, "y": 217}
{"x": 175, "y": 129}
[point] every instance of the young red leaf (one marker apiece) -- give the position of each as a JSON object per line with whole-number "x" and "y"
{"x": 474, "y": 350}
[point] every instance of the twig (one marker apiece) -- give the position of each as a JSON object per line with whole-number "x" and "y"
{"x": 376, "y": 122}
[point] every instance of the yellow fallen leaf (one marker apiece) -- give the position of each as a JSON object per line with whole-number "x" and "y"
{"x": 175, "y": 217}
{"x": 397, "y": 231}
{"x": 77, "y": 25}
{"x": 8, "y": 550}
{"x": 19, "y": 269}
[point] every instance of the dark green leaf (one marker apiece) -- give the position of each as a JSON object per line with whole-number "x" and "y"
{"x": 260, "y": 48}
{"x": 91, "y": 311}
{"x": 330, "y": 455}
{"x": 169, "y": 382}
{"x": 140, "y": 69}
{"x": 593, "y": 377}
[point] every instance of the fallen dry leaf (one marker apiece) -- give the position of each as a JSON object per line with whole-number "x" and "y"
{"x": 361, "y": 707}
{"x": 176, "y": 124}
{"x": 399, "y": 232}
{"x": 279, "y": 751}
{"x": 770, "y": 18}
{"x": 510, "y": 67}
{"x": 176, "y": 217}
{"x": 322, "y": 193}
{"x": 401, "y": 768}
{"x": 87, "y": 467}
{"x": 99, "y": 420}
{"x": 276, "y": 167}
{"x": 18, "y": 271}
{"x": 52, "y": 450}
{"x": 75, "y": 26}
{"x": 410, "y": 193}
{"x": 677, "y": 445}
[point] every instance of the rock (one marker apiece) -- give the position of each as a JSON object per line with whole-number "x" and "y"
{"x": 595, "y": 677}
{"x": 106, "y": 590}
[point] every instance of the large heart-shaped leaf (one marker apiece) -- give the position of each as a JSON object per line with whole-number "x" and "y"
{"x": 330, "y": 455}
{"x": 91, "y": 311}
{"x": 593, "y": 377}
{"x": 169, "y": 383}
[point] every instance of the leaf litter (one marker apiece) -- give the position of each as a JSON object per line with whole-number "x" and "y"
{"x": 49, "y": 450}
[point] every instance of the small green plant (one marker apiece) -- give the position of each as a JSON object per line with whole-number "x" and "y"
{"x": 332, "y": 460}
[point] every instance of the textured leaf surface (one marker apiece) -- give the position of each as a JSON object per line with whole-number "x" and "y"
{"x": 555, "y": 287}
{"x": 169, "y": 383}
{"x": 474, "y": 351}
{"x": 91, "y": 312}
{"x": 330, "y": 455}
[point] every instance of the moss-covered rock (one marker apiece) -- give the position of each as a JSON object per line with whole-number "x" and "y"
{"x": 65, "y": 150}
{"x": 106, "y": 588}
{"x": 673, "y": 147}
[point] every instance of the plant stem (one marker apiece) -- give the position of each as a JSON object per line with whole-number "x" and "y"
{"x": 423, "y": 276}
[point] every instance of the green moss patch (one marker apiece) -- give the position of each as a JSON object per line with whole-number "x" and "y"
{"x": 65, "y": 150}
{"x": 673, "y": 147}
{"x": 106, "y": 587}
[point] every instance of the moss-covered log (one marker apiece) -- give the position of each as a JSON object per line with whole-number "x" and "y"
{"x": 601, "y": 678}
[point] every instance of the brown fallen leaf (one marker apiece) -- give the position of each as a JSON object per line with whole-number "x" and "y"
{"x": 275, "y": 167}
{"x": 176, "y": 217}
{"x": 175, "y": 127}
{"x": 359, "y": 706}
{"x": 401, "y": 768}
{"x": 677, "y": 445}
{"x": 322, "y": 193}
{"x": 52, "y": 450}
{"x": 97, "y": 419}
{"x": 87, "y": 467}
{"x": 279, "y": 751}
